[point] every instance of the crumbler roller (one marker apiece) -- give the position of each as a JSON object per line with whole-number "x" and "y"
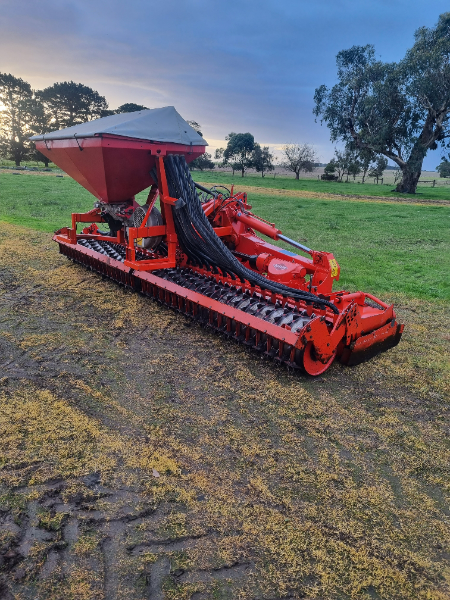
{"x": 200, "y": 253}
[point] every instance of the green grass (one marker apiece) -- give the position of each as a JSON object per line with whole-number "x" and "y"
{"x": 43, "y": 202}
{"x": 381, "y": 247}
{"x": 324, "y": 187}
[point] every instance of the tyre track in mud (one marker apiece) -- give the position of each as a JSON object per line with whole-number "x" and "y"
{"x": 46, "y": 538}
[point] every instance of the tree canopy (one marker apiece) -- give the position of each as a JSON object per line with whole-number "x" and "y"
{"x": 399, "y": 110}
{"x": 25, "y": 112}
{"x": 21, "y": 116}
{"x": 377, "y": 169}
{"x": 69, "y": 103}
{"x": 262, "y": 159}
{"x": 339, "y": 164}
{"x": 202, "y": 162}
{"x": 239, "y": 151}
{"x": 195, "y": 126}
{"x": 298, "y": 158}
{"x": 444, "y": 169}
{"x": 129, "y": 107}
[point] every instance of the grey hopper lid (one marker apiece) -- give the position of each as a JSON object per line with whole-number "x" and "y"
{"x": 156, "y": 124}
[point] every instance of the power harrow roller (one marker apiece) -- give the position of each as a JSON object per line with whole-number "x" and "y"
{"x": 201, "y": 254}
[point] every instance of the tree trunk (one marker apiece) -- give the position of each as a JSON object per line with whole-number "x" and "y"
{"x": 297, "y": 174}
{"x": 17, "y": 156}
{"x": 408, "y": 182}
{"x": 412, "y": 169}
{"x": 364, "y": 175}
{"x": 242, "y": 170}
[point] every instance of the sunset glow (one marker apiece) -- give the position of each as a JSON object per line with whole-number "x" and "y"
{"x": 229, "y": 66}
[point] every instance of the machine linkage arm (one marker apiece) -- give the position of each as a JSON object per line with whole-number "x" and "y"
{"x": 267, "y": 229}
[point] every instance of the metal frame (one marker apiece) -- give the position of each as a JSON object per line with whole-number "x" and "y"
{"x": 358, "y": 331}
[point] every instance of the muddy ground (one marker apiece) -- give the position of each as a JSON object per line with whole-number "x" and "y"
{"x": 142, "y": 456}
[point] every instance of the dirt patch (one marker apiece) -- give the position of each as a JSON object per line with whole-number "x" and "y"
{"x": 144, "y": 457}
{"x": 31, "y": 172}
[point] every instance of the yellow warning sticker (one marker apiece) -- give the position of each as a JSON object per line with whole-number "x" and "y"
{"x": 139, "y": 243}
{"x": 334, "y": 267}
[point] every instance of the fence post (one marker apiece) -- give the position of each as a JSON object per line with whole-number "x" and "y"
{"x": 434, "y": 182}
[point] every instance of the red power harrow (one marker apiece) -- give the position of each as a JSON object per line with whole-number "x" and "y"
{"x": 201, "y": 255}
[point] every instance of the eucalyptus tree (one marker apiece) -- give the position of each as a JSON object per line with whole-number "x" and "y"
{"x": 398, "y": 110}
{"x": 202, "y": 162}
{"x": 344, "y": 162}
{"x": 262, "y": 159}
{"x": 444, "y": 169}
{"x": 377, "y": 168}
{"x": 129, "y": 107}
{"x": 366, "y": 159}
{"x": 196, "y": 126}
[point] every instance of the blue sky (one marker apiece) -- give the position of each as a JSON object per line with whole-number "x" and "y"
{"x": 232, "y": 66}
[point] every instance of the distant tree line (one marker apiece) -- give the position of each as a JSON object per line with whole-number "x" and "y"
{"x": 243, "y": 153}
{"x": 25, "y": 112}
{"x": 351, "y": 162}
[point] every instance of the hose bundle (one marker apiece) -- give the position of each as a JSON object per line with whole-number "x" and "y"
{"x": 201, "y": 244}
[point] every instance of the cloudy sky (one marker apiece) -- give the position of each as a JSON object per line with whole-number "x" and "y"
{"x": 241, "y": 66}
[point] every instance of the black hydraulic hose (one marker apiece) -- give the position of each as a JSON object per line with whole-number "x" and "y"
{"x": 197, "y": 244}
{"x": 187, "y": 240}
{"x": 219, "y": 254}
{"x": 202, "y": 245}
{"x": 216, "y": 248}
{"x": 210, "y": 247}
{"x": 210, "y": 192}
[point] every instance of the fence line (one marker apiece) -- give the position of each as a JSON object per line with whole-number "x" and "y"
{"x": 433, "y": 182}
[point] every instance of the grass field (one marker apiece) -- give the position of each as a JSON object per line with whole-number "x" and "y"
{"x": 314, "y": 185}
{"x": 142, "y": 456}
{"x": 381, "y": 247}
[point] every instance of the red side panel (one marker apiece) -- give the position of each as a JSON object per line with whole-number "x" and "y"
{"x": 111, "y": 168}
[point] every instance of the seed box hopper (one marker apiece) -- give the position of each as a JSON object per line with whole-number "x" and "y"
{"x": 201, "y": 252}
